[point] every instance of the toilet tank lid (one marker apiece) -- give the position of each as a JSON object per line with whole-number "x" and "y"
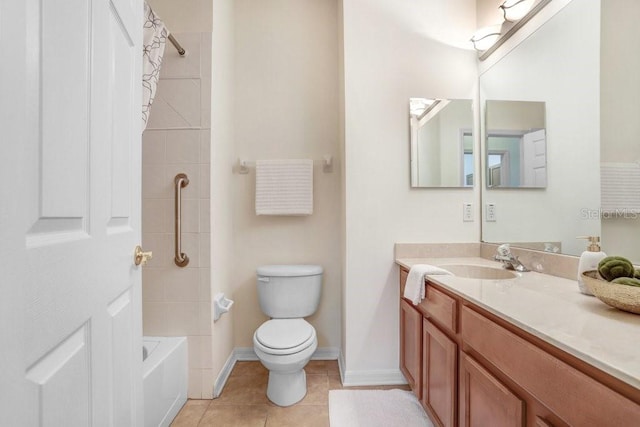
{"x": 289, "y": 270}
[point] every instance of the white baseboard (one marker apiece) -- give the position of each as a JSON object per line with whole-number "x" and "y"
{"x": 348, "y": 378}
{"x": 326, "y": 353}
{"x": 244, "y": 354}
{"x": 341, "y": 365}
{"x": 372, "y": 378}
{"x": 247, "y": 354}
{"x": 369, "y": 378}
{"x": 223, "y": 376}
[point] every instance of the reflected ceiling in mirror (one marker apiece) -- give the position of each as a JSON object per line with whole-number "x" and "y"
{"x": 441, "y": 142}
{"x": 516, "y": 144}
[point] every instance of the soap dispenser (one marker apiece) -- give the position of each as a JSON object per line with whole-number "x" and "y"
{"x": 589, "y": 260}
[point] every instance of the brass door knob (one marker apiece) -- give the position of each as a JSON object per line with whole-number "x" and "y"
{"x": 141, "y": 257}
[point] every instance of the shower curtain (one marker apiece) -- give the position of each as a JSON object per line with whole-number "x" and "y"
{"x": 154, "y": 39}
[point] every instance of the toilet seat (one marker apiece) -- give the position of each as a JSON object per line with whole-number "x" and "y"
{"x": 284, "y": 336}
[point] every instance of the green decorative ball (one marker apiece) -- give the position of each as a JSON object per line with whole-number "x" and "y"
{"x": 613, "y": 267}
{"x": 627, "y": 281}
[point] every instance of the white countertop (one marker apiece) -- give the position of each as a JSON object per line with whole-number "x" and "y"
{"x": 553, "y": 309}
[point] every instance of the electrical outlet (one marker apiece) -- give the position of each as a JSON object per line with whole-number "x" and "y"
{"x": 491, "y": 212}
{"x": 467, "y": 212}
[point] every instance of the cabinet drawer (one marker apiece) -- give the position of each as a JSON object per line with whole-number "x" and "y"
{"x": 571, "y": 395}
{"x": 440, "y": 308}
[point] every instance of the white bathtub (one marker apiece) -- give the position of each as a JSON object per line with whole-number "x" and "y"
{"x": 164, "y": 378}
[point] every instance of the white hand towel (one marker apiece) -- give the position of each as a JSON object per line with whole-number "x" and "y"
{"x": 284, "y": 187}
{"x": 414, "y": 288}
{"x": 619, "y": 188}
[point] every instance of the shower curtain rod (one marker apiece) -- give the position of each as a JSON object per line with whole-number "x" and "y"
{"x": 175, "y": 43}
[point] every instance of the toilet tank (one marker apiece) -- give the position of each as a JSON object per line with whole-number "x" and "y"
{"x": 289, "y": 291}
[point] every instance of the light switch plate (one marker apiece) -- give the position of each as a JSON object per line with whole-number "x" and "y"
{"x": 467, "y": 212}
{"x": 491, "y": 212}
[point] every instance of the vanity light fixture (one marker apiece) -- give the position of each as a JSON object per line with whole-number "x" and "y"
{"x": 514, "y": 10}
{"x": 418, "y": 107}
{"x": 485, "y": 37}
{"x": 516, "y": 14}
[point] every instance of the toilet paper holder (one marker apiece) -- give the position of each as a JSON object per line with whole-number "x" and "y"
{"x": 221, "y": 305}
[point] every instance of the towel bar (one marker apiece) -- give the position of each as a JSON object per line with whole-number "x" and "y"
{"x": 326, "y": 162}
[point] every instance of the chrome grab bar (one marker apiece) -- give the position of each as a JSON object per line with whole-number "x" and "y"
{"x": 181, "y": 259}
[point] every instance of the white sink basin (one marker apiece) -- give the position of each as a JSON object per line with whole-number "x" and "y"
{"x": 479, "y": 272}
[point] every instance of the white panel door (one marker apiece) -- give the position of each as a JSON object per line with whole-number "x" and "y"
{"x": 70, "y": 297}
{"x": 534, "y": 165}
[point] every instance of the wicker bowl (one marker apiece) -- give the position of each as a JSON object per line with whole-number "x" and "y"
{"x": 622, "y": 297}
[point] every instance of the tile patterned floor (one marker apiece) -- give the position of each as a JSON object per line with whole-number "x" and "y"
{"x": 243, "y": 402}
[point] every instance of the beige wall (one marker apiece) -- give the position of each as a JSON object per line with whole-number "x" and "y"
{"x": 619, "y": 109}
{"x": 222, "y": 179}
{"x": 456, "y": 117}
{"x": 429, "y": 154}
{"x": 177, "y": 301}
{"x": 286, "y": 94}
{"x": 387, "y": 61}
{"x": 514, "y": 115}
{"x": 185, "y": 16}
{"x": 488, "y": 13}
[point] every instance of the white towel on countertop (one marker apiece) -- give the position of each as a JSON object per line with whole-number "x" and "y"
{"x": 284, "y": 187}
{"x": 414, "y": 288}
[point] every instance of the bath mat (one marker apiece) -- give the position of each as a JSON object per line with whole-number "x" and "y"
{"x": 376, "y": 408}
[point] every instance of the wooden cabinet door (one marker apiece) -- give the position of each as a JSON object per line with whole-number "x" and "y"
{"x": 411, "y": 345}
{"x": 484, "y": 401}
{"x": 439, "y": 358}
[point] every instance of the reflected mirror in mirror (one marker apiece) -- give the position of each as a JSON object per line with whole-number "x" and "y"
{"x": 441, "y": 141}
{"x": 516, "y": 144}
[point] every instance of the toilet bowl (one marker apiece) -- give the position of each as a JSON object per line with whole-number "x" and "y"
{"x": 285, "y": 344}
{"x": 285, "y": 356}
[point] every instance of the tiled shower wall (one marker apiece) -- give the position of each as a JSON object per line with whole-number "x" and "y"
{"x": 177, "y": 301}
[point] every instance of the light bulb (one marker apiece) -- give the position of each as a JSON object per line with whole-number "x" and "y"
{"x": 417, "y": 106}
{"x": 515, "y": 10}
{"x": 485, "y": 37}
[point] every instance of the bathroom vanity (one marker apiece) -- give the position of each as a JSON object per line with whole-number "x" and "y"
{"x": 530, "y": 350}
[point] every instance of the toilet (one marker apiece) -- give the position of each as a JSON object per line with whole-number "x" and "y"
{"x": 285, "y": 343}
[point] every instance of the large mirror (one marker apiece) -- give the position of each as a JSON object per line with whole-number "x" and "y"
{"x": 441, "y": 142}
{"x": 576, "y": 65}
{"x": 558, "y": 65}
{"x": 516, "y": 144}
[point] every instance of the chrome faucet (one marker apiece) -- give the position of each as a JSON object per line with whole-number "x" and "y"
{"x": 509, "y": 260}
